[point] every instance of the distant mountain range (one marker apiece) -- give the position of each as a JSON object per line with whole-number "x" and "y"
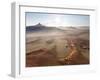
{"x": 40, "y": 27}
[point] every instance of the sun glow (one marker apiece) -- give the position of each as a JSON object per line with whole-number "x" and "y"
{"x": 56, "y": 22}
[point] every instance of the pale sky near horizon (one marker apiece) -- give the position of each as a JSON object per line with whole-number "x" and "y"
{"x": 56, "y": 19}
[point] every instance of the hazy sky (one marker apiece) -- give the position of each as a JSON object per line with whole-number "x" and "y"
{"x": 56, "y": 19}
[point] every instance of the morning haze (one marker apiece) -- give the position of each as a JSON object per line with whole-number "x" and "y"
{"x": 57, "y": 39}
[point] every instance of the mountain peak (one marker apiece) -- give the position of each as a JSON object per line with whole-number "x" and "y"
{"x": 39, "y": 25}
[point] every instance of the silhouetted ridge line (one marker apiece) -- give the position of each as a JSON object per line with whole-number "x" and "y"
{"x": 40, "y": 27}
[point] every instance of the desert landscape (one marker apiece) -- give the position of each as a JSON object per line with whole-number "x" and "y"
{"x": 53, "y": 46}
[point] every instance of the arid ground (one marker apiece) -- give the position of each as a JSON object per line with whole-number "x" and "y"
{"x": 52, "y": 46}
